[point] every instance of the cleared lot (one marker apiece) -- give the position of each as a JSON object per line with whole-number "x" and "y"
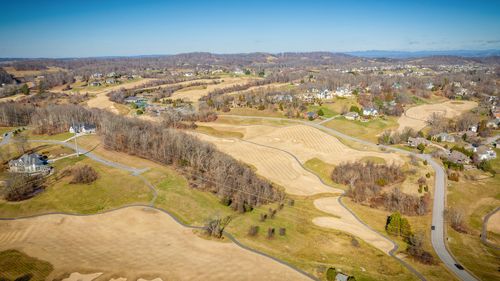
{"x": 135, "y": 242}
{"x": 417, "y": 116}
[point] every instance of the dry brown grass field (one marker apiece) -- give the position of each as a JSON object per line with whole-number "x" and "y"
{"x": 135, "y": 242}
{"x": 416, "y": 117}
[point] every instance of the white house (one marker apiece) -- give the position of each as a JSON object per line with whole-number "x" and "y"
{"x": 485, "y": 153}
{"x": 473, "y": 128}
{"x": 444, "y": 137}
{"x": 370, "y": 111}
{"x": 82, "y": 128}
{"x": 343, "y": 92}
{"x": 324, "y": 95}
{"x": 351, "y": 115}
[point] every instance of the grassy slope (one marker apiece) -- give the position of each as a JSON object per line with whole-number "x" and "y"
{"x": 477, "y": 198}
{"x": 254, "y": 112}
{"x": 363, "y": 130}
{"x": 112, "y": 189}
{"x": 15, "y": 264}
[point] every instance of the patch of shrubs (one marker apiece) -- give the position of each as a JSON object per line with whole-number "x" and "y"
{"x": 81, "y": 174}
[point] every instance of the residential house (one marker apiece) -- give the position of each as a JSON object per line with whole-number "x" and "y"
{"x": 458, "y": 157}
{"x": 96, "y": 75}
{"x": 343, "y": 92}
{"x": 444, "y": 137}
{"x": 311, "y": 115}
{"x": 414, "y": 142}
{"x": 351, "y": 115}
{"x": 324, "y": 95}
{"x": 396, "y": 85}
{"x": 238, "y": 72}
{"x": 494, "y": 123}
{"x": 111, "y": 81}
{"x": 429, "y": 86}
{"x": 95, "y": 84}
{"x": 112, "y": 75}
{"x": 82, "y": 128}
{"x": 343, "y": 277}
{"x": 473, "y": 128}
{"x": 29, "y": 163}
{"x": 485, "y": 153}
{"x": 370, "y": 111}
{"x": 307, "y": 97}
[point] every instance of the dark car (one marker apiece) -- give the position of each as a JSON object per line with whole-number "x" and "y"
{"x": 459, "y": 266}
{"x": 433, "y": 227}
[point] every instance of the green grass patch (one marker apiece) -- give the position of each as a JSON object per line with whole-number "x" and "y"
{"x": 15, "y": 264}
{"x": 364, "y": 130}
{"x": 323, "y": 170}
{"x": 112, "y": 189}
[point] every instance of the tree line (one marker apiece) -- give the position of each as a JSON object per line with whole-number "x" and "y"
{"x": 206, "y": 167}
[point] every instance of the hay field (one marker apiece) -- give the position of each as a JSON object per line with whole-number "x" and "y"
{"x": 277, "y": 166}
{"x": 417, "y": 116}
{"x": 135, "y": 242}
{"x": 348, "y": 223}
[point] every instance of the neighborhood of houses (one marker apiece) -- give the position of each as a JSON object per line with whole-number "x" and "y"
{"x": 98, "y": 79}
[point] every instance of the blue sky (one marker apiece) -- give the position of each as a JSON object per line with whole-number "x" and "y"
{"x": 111, "y": 28}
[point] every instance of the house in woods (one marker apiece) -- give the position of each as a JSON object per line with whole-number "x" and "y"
{"x": 485, "y": 153}
{"x": 493, "y": 124}
{"x": 414, "y": 142}
{"x": 82, "y": 128}
{"x": 29, "y": 163}
{"x": 111, "y": 81}
{"x": 95, "y": 84}
{"x": 458, "y": 157}
{"x": 444, "y": 137}
{"x": 429, "y": 86}
{"x": 351, "y": 115}
{"x": 370, "y": 111}
{"x": 473, "y": 128}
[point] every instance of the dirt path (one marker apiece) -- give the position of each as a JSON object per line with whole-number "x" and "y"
{"x": 135, "y": 242}
{"x": 416, "y": 117}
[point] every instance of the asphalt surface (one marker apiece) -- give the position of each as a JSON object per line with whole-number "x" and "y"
{"x": 437, "y": 235}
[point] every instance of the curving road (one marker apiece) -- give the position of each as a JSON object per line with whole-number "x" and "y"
{"x": 437, "y": 235}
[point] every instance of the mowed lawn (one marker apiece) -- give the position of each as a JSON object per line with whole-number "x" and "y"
{"x": 113, "y": 188}
{"x": 363, "y": 130}
{"x": 476, "y": 198}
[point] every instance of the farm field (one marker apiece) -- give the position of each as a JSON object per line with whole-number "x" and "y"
{"x": 416, "y": 117}
{"x": 135, "y": 242}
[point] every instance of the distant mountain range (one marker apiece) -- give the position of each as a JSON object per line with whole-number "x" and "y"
{"x": 420, "y": 54}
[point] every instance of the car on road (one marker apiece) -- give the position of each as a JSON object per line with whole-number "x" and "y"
{"x": 459, "y": 266}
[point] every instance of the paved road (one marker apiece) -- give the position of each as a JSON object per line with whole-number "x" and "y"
{"x": 437, "y": 235}
{"x": 484, "y": 231}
